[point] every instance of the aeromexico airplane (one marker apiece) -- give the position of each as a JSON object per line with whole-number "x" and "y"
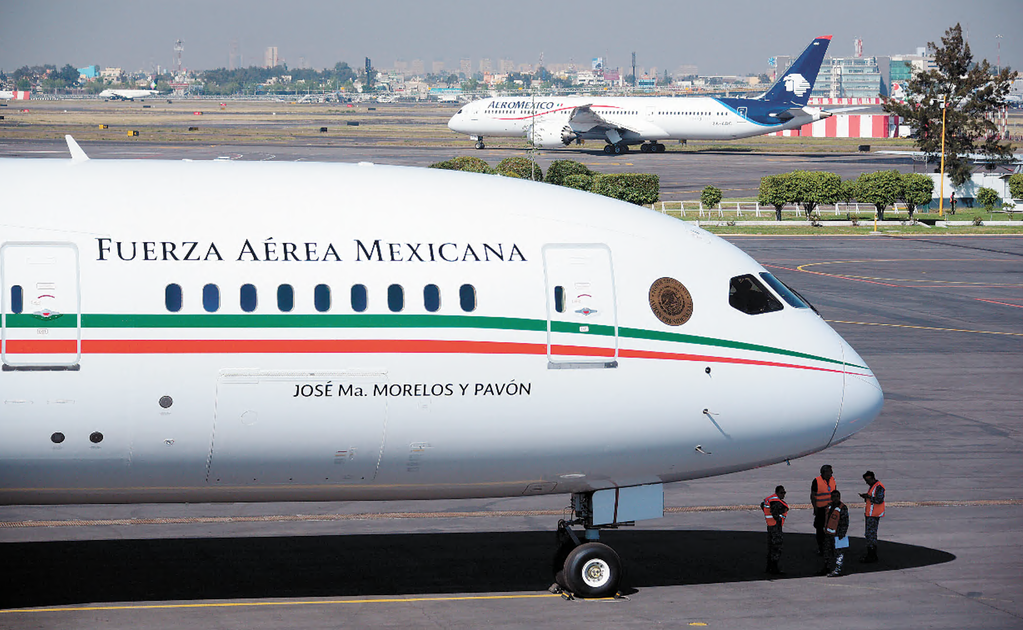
{"x": 397, "y": 339}
{"x": 551, "y": 122}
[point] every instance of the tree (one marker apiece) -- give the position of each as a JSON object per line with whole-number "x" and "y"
{"x": 1016, "y": 186}
{"x": 881, "y": 189}
{"x": 710, "y": 197}
{"x": 971, "y": 91}
{"x": 774, "y": 191}
{"x": 812, "y": 188}
{"x": 987, "y": 197}
{"x": 917, "y": 190}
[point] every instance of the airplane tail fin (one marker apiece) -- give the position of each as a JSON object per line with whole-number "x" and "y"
{"x": 796, "y": 84}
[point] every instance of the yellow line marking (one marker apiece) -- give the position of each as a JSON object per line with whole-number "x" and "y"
{"x": 962, "y": 330}
{"x": 326, "y": 602}
{"x": 901, "y": 260}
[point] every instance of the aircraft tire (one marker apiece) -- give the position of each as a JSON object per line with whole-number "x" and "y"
{"x": 616, "y": 149}
{"x": 480, "y": 145}
{"x": 592, "y": 570}
{"x": 659, "y": 147}
{"x": 645, "y": 148}
{"x": 609, "y": 148}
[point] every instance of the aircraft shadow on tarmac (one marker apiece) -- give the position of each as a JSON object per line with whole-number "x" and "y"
{"x": 62, "y": 573}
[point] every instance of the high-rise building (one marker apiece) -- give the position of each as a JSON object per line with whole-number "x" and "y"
{"x": 417, "y": 67}
{"x": 465, "y": 67}
{"x": 437, "y": 67}
{"x": 270, "y": 58}
{"x": 486, "y": 66}
{"x": 506, "y": 66}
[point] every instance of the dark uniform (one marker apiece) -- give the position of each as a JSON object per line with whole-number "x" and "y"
{"x": 836, "y": 525}
{"x": 775, "y": 510}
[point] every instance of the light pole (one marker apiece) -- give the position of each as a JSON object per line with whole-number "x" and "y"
{"x": 941, "y": 193}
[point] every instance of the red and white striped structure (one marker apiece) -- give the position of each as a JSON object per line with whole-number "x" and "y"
{"x": 847, "y": 126}
{"x": 846, "y": 101}
{"x": 15, "y": 96}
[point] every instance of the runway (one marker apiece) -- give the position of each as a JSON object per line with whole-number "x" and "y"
{"x": 682, "y": 174}
{"x": 940, "y": 321}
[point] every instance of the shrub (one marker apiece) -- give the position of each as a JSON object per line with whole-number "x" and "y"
{"x": 579, "y": 182}
{"x": 560, "y": 169}
{"x": 917, "y": 190}
{"x": 880, "y": 188}
{"x": 987, "y": 197}
{"x": 812, "y": 188}
{"x": 710, "y": 197}
{"x": 637, "y": 188}
{"x": 468, "y": 163}
{"x": 1016, "y": 186}
{"x": 774, "y": 191}
{"x": 522, "y": 167}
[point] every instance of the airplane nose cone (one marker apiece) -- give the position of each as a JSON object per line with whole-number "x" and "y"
{"x": 861, "y": 402}
{"x": 453, "y": 124}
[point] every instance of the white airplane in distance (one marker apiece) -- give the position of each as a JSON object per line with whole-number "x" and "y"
{"x": 554, "y": 121}
{"x": 127, "y": 95}
{"x": 244, "y": 348}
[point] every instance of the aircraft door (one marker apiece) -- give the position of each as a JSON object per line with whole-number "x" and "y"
{"x": 582, "y": 317}
{"x": 40, "y": 303}
{"x": 298, "y": 427}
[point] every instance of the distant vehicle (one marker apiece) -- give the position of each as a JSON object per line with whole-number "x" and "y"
{"x": 549, "y": 341}
{"x": 126, "y": 95}
{"x": 551, "y": 121}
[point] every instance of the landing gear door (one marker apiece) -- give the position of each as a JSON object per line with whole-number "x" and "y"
{"x": 582, "y": 317}
{"x": 40, "y": 305}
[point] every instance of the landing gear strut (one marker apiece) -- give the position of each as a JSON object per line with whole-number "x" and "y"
{"x": 479, "y": 143}
{"x": 585, "y": 567}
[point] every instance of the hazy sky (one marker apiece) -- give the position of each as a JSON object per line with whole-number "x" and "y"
{"x": 720, "y": 37}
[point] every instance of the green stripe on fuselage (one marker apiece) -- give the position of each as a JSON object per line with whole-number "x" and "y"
{"x": 396, "y": 320}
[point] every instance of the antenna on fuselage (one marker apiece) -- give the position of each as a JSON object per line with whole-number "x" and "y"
{"x": 77, "y": 154}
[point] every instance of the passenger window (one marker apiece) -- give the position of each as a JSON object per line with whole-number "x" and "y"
{"x": 467, "y": 296}
{"x": 211, "y": 298}
{"x": 781, "y": 289}
{"x": 559, "y": 299}
{"x": 17, "y": 299}
{"x": 171, "y": 297}
{"x": 248, "y": 298}
{"x": 745, "y": 293}
{"x": 431, "y": 298}
{"x": 321, "y": 298}
{"x": 395, "y": 298}
{"x": 359, "y": 298}
{"x": 285, "y": 298}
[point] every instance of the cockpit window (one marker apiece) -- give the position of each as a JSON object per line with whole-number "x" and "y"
{"x": 747, "y": 294}
{"x": 781, "y": 289}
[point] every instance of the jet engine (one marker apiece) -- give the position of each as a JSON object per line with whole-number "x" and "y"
{"x": 551, "y": 135}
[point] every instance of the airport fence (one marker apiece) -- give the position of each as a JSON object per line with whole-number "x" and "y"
{"x": 753, "y": 209}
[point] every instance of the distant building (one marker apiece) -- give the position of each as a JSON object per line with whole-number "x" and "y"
{"x": 417, "y": 67}
{"x": 465, "y": 67}
{"x": 437, "y": 67}
{"x": 270, "y": 58}
{"x": 486, "y": 66}
{"x": 88, "y": 72}
{"x": 506, "y": 66}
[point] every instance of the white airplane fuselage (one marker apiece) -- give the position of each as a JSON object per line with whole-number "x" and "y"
{"x": 652, "y": 118}
{"x": 344, "y": 332}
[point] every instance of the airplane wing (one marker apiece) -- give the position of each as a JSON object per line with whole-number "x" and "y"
{"x": 583, "y": 119}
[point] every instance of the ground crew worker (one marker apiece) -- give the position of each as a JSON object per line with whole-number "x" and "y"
{"x": 873, "y": 510}
{"x": 775, "y": 510}
{"x": 836, "y": 526}
{"x": 820, "y": 497}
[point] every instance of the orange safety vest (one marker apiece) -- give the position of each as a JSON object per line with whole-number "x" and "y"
{"x": 767, "y": 510}
{"x": 823, "y": 497}
{"x": 871, "y": 508}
